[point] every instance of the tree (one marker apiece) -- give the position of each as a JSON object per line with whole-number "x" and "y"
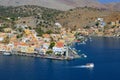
{"x": 39, "y": 31}
{"x": 52, "y": 44}
{"x": 97, "y": 24}
{"x": 19, "y": 36}
{"x": 49, "y": 32}
{"x": 49, "y": 52}
{"x": 86, "y": 27}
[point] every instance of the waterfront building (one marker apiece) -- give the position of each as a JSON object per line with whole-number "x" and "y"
{"x": 59, "y": 48}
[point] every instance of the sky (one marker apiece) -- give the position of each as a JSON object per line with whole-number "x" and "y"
{"x": 108, "y": 1}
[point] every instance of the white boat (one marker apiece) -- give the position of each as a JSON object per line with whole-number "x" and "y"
{"x": 89, "y": 65}
{"x": 6, "y": 53}
{"x": 83, "y": 55}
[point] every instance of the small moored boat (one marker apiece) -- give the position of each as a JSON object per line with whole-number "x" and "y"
{"x": 7, "y": 53}
{"x": 83, "y": 55}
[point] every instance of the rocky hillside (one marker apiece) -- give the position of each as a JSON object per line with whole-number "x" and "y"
{"x": 61, "y": 4}
{"x": 73, "y": 18}
{"x": 82, "y": 17}
{"x": 79, "y": 17}
{"x": 55, "y": 4}
{"x": 113, "y": 6}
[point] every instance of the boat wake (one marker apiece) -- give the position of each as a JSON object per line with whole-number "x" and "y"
{"x": 88, "y": 66}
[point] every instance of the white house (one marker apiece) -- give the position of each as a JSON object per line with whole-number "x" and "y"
{"x": 58, "y": 25}
{"x": 1, "y": 38}
{"x": 100, "y": 19}
{"x": 46, "y": 45}
{"x": 58, "y": 50}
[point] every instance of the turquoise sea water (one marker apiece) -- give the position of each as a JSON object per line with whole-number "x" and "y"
{"x": 103, "y": 52}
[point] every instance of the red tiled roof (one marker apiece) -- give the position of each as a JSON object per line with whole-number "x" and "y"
{"x": 59, "y": 44}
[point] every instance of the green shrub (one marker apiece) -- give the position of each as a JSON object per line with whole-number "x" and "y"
{"x": 49, "y": 52}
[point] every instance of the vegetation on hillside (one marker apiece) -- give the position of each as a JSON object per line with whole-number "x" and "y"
{"x": 45, "y": 18}
{"x": 26, "y": 10}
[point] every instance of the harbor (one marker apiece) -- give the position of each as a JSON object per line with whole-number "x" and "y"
{"x": 69, "y": 55}
{"x": 49, "y": 45}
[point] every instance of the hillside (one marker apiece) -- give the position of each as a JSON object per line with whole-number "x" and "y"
{"x": 43, "y": 19}
{"x": 27, "y": 10}
{"x": 40, "y": 13}
{"x": 54, "y": 4}
{"x": 81, "y": 17}
{"x": 113, "y": 6}
{"x": 33, "y": 16}
{"x": 78, "y": 17}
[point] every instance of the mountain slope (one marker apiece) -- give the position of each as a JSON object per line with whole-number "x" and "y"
{"x": 44, "y": 3}
{"x": 55, "y": 4}
{"x": 113, "y": 6}
{"x": 81, "y": 17}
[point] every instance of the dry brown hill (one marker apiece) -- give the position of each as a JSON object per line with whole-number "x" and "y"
{"x": 55, "y": 4}
{"x": 81, "y": 17}
{"x": 113, "y": 6}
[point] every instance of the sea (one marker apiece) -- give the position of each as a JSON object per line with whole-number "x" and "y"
{"x": 103, "y": 52}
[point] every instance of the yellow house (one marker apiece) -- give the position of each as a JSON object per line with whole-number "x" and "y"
{"x": 27, "y": 32}
{"x": 30, "y": 49}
